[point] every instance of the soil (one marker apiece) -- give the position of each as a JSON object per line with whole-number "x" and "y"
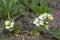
{"x": 27, "y": 24}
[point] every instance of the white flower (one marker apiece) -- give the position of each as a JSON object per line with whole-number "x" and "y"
{"x": 50, "y": 17}
{"x": 9, "y": 24}
{"x": 47, "y": 27}
{"x": 38, "y": 22}
{"x": 43, "y": 16}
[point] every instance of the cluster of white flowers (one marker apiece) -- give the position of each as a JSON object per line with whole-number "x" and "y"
{"x": 9, "y": 24}
{"x": 42, "y": 18}
{"x": 37, "y": 22}
{"x": 46, "y": 16}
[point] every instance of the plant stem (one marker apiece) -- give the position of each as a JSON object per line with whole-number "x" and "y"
{"x": 8, "y": 16}
{"x": 16, "y": 17}
{"x": 4, "y": 1}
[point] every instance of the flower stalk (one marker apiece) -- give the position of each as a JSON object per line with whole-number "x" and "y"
{"x": 8, "y": 16}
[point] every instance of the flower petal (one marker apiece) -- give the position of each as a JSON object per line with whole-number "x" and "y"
{"x": 6, "y": 22}
{"x": 50, "y": 17}
{"x": 41, "y": 22}
{"x": 35, "y": 20}
{"x": 11, "y": 26}
{"x": 12, "y": 23}
{"x": 38, "y": 22}
{"x": 43, "y": 16}
{"x": 37, "y": 25}
{"x": 47, "y": 27}
{"x": 7, "y": 27}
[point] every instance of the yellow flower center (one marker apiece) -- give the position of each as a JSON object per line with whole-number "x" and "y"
{"x": 43, "y": 17}
{"x": 38, "y": 22}
{"x": 46, "y": 22}
{"x": 49, "y": 17}
{"x": 9, "y": 24}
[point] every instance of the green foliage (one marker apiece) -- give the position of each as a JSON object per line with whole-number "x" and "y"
{"x": 1, "y": 33}
{"x": 20, "y": 6}
{"x": 42, "y": 8}
{"x": 17, "y": 26}
{"x": 1, "y": 30}
{"x": 43, "y": 4}
{"x": 7, "y": 6}
{"x": 34, "y": 3}
{"x": 55, "y": 32}
{"x": 11, "y": 6}
{"x": 34, "y": 31}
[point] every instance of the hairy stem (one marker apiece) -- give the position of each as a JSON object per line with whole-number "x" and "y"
{"x": 8, "y": 16}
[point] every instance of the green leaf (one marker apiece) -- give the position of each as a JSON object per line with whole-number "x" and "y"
{"x": 17, "y": 26}
{"x": 15, "y": 1}
{"x": 35, "y": 2}
{"x": 48, "y": 10}
{"x": 43, "y": 8}
{"x": 57, "y": 35}
{"x": 26, "y": 2}
{"x": 23, "y": 11}
{"x": 34, "y": 30}
{"x": 55, "y": 32}
{"x": 43, "y": 4}
{"x": 1, "y": 30}
{"x": 38, "y": 10}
